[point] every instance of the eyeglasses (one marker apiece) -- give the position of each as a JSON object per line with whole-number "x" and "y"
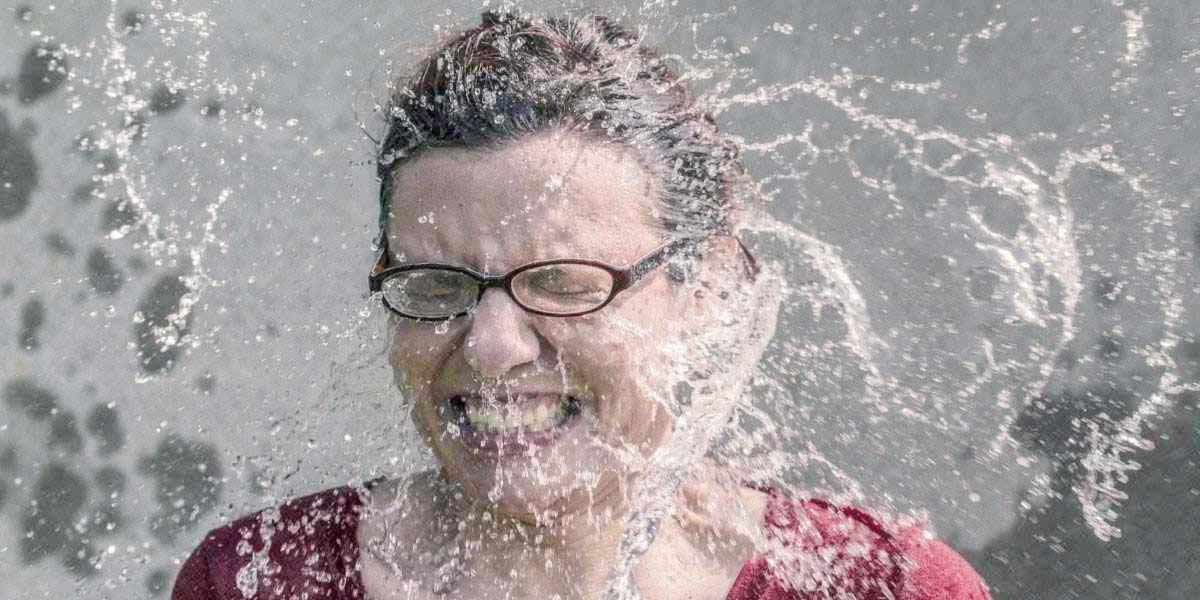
{"x": 557, "y": 288}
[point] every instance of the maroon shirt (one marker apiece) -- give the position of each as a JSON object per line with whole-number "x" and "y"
{"x": 307, "y": 549}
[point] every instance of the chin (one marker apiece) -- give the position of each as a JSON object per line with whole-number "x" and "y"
{"x": 557, "y": 495}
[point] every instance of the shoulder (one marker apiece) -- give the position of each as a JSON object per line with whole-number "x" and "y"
{"x": 817, "y": 549}
{"x": 299, "y": 546}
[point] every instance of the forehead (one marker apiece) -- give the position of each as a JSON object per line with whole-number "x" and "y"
{"x": 552, "y": 195}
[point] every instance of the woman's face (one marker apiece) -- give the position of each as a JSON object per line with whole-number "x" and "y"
{"x": 539, "y": 416}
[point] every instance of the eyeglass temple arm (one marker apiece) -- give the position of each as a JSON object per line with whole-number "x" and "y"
{"x": 752, "y": 268}
{"x": 381, "y": 264}
{"x": 644, "y": 266}
{"x": 631, "y": 275}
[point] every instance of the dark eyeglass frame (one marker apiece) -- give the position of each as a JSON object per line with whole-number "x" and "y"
{"x": 623, "y": 279}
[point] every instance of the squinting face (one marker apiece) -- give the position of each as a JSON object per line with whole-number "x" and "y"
{"x": 539, "y": 416}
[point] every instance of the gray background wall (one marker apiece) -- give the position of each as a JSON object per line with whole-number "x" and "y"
{"x": 1005, "y": 192}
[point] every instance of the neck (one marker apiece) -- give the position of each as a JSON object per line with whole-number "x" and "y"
{"x": 572, "y": 555}
{"x": 466, "y": 548}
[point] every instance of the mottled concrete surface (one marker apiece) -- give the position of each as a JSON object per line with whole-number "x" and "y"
{"x": 186, "y": 207}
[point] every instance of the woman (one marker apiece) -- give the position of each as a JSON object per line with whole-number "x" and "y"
{"x": 572, "y": 321}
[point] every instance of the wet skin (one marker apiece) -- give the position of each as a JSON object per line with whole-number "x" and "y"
{"x": 556, "y": 195}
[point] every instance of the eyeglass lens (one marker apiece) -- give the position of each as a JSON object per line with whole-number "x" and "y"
{"x": 430, "y": 293}
{"x": 560, "y": 288}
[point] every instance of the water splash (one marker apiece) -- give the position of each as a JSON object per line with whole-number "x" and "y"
{"x": 874, "y": 356}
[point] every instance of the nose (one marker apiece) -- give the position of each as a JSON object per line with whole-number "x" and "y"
{"x": 501, "y": 336}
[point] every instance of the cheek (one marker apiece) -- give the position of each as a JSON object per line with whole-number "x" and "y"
{"x": 414, "y": 355}
{"x": 627, "y": 360}
{"x": 593, "y": 348}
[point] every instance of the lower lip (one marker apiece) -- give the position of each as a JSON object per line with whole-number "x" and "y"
{"x": 512, "y": 443}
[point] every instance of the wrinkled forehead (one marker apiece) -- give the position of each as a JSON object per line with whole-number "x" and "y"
{"x": 548, "y": 196}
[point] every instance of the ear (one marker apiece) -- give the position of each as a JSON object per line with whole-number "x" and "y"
{"x": 708, "y": 288}
{"x": 722, "y": 265}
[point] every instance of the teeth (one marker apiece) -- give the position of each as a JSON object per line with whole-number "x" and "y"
{"x": 492, "y": 417}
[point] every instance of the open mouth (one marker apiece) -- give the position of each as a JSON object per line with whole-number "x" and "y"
{"x": 512, "y": 424}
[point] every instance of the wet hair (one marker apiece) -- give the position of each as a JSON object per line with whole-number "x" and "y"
{"x": 513, "y": 76}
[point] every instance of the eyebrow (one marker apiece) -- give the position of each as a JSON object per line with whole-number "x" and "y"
{"x": 479, "y": 267}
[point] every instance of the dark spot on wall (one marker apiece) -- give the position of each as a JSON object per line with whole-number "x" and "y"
{"x": 64, "y": 433}
{"x": 1107, "y": 291}
{"x": 107, "y": 163}
{"x": 119, "y": 215}
{"x": 81, "y": 557}
{"x": 1109, "y": 347}
{"x": 104, "y": 424}
{"x": 48, "y": 523}
{"x": 260, "y": 481}
{"x": 157, "y": 352}
{"x": 982, "y": 283}
{"x": 58, "y": 243}
{"x": 18, "y": 171}
{"x": 33, "y": 316}
{"x": 206, "y": 383}
{"x": 212, "y": 108}
{"x": 937, "y": 152}
{"x": 165, "y": 100}
{"x": 23, "y": 13}
{"x": 107, "y": 517}
{"x": 1057, "y": 424}
{"x": 1048, "y": 547}
{"x": 8, "y": 85}
{"x": 970, "y": 165}
{"x": 102, "y": 273}
{"x": 43, "y": 70}
{"x": 1001, "y": 213}
{"x": 1067, "y": 359}
{"x": 34, "y": 401}
{"x": 7, "y": 289}
{"x": 8, "y": 459}
{"x": 188, "y": 484}
{"x": 137, "y": 264}
{"x": 133, "y": 20}
{"x": 873, "y": 154}
{"x": 1196, "y": 241}
{"x": 1189, "y": 349}
{"x": 110, "y": 481}
{"x": 683, "y": 393}
{"x": 157, "y": 581}
{"x": 939, "y": 266}
{"x": 84, "y": 192}
{"x": 8, "y": 463}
